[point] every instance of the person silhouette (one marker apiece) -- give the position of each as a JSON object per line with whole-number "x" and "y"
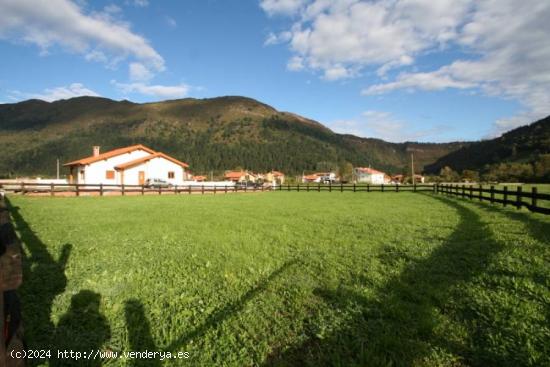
{"x": 81, "y": 329}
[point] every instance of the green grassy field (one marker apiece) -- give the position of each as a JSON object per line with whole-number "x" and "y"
{"x": 297, "y": 279}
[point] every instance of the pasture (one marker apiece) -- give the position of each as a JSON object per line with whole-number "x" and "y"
{"x": 287, "y": 279}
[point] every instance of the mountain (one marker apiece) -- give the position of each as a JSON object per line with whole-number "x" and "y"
{"x": 524, "y": 145}
{"x": 209, "y": 134}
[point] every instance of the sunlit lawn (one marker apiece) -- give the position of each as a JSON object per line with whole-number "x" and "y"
{"x": 287, "y": 279}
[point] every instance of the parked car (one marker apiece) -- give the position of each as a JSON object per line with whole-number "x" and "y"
{"x": 157, "y": 183}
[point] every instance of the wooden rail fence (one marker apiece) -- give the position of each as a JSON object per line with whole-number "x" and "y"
{"x": 107, "y": 189}
{"x": 518, "y": 198}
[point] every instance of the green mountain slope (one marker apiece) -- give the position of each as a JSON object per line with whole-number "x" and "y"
{"x": 210, "y": 134}
{"x": 526, "y": 144}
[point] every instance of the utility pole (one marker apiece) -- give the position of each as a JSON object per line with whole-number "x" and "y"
{"x": 412, "y": 168}
{"x": 57, "y": 176}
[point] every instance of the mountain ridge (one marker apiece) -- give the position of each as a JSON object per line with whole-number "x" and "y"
{"x": 210, "y": 134}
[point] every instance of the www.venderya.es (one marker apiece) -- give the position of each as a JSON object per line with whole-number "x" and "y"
{"x": 96, "y": 354}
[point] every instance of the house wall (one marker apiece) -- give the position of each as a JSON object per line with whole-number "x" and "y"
{"x": 375, "y": 179}
{"x": 156, "y": 168}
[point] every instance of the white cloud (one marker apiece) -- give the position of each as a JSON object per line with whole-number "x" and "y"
{"x": 139, "y": 72}
{"x": 63, "y": 23}
{"x": 54, "y": 94}
{"x": 339, "y": 38}
{"x": 295, "y": 64}
{"x": 139, "y": 3}
{"x": 383, "y": 125}
{"x": 171, "y": 22}
{"x": 158, "y": 91}
{"x": 273, "y": 38}
{"x": 504, "y": 44}
{"x": 281, "y": 7}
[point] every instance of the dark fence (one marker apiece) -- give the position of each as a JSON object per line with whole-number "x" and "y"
{"x": 106, "y": 189}
{"x": 11, "y": 275}
{"x": 518, "y": 198}
{"x": 355, "y": 187}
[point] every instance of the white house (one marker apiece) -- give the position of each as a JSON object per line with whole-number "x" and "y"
{"x": 369, "y": 175}
{"x": 319, "y": 177}
{"x": 131, "y": 165}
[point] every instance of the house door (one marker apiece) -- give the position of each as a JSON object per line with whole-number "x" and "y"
{"x": 141, "y": 177}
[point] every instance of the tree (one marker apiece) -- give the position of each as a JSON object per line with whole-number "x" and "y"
{"x": 345, "y": 171}
{"x": 470, "y": 175}
{"x": 448, "y": 175}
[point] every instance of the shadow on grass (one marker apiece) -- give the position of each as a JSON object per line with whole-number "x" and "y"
{"x": 398, "y": 326}
{"x": 538, "y": 228}
{"x": 139, "y": 333}
{"x": 139, "y": 329}
{"x": 81, "y": 328}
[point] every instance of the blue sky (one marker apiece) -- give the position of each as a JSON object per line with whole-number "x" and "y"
{"x": 392, "y": 69}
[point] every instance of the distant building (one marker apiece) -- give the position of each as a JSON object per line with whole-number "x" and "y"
{"x": 131, "y": 165}
{"x": 240, "y": 176}
{"x": 370, "y": 176}
{"x": 319, "y": 177}
{"x": 274, "y": 177}
{"x": 199, "y": 178}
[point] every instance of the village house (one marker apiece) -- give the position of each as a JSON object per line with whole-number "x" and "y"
{"x": 131, "y": 165}
{"x": 319, "y": 177}
{"x": 369, "y": 175}
{"x": 240, "y": 176}
{"x": 275, "y": 177}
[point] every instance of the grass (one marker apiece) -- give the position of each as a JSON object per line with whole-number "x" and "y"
{"x": 287, "y": 279}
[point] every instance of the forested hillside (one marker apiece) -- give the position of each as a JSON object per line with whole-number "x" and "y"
{"x": 210, "y": 134}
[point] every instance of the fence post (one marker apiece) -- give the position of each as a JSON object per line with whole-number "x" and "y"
{"x": 396, "y": 188}
{"x": 160, "y": 190}
{"x": 463, "y": 191}
{"x": 288, "y": 187}
{"x": 298, "y": 188}
{"x": 341, "y": 187}
{"x": 492, "y": 194}
{"x": 471, "y": 192}
{"x": 368, "y": 187}
{"x": 189, "y": 188}
{"x": 77, "y": 190}
{"x": 353, "y": 187}
{"x": 175, "y": 189}
{"x": 22, "y": 188}
{"x": 123, "y": 190}
{"x": 142, "y": 190}
{"x": 307, "y": 187}
{"x": 382, "y": 187}
{"x": 480, "y": 192}
{"x": 318, "y": 187}
{"x": 414, "y": 187}
{"x": 100, "y": 189}
{"x": 51, "y": 189}
{"x": 202, "y": 189}
{"x": 215, "y": 189}
{"x": 226, "y": 189}
{"x": 534, "y": 197}
{"x": 518, "y": 197}
{"x": 505, "y": 196}
{"x": 330, "y": 187}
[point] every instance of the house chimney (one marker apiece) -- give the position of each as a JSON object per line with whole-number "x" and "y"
{"x": 96, "y": 150}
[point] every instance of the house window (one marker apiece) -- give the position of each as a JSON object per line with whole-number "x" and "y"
{"x": 110, "y": 175}
{"x": 170, "y": 174}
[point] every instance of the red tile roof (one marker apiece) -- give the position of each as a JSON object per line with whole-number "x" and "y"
{"x": 369, "y": 170}
{"x": 277, "y": 173}
{"x": 234, "y": 174}
{"x": 109, "y": 154}
{"x": 138, "y": 161}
